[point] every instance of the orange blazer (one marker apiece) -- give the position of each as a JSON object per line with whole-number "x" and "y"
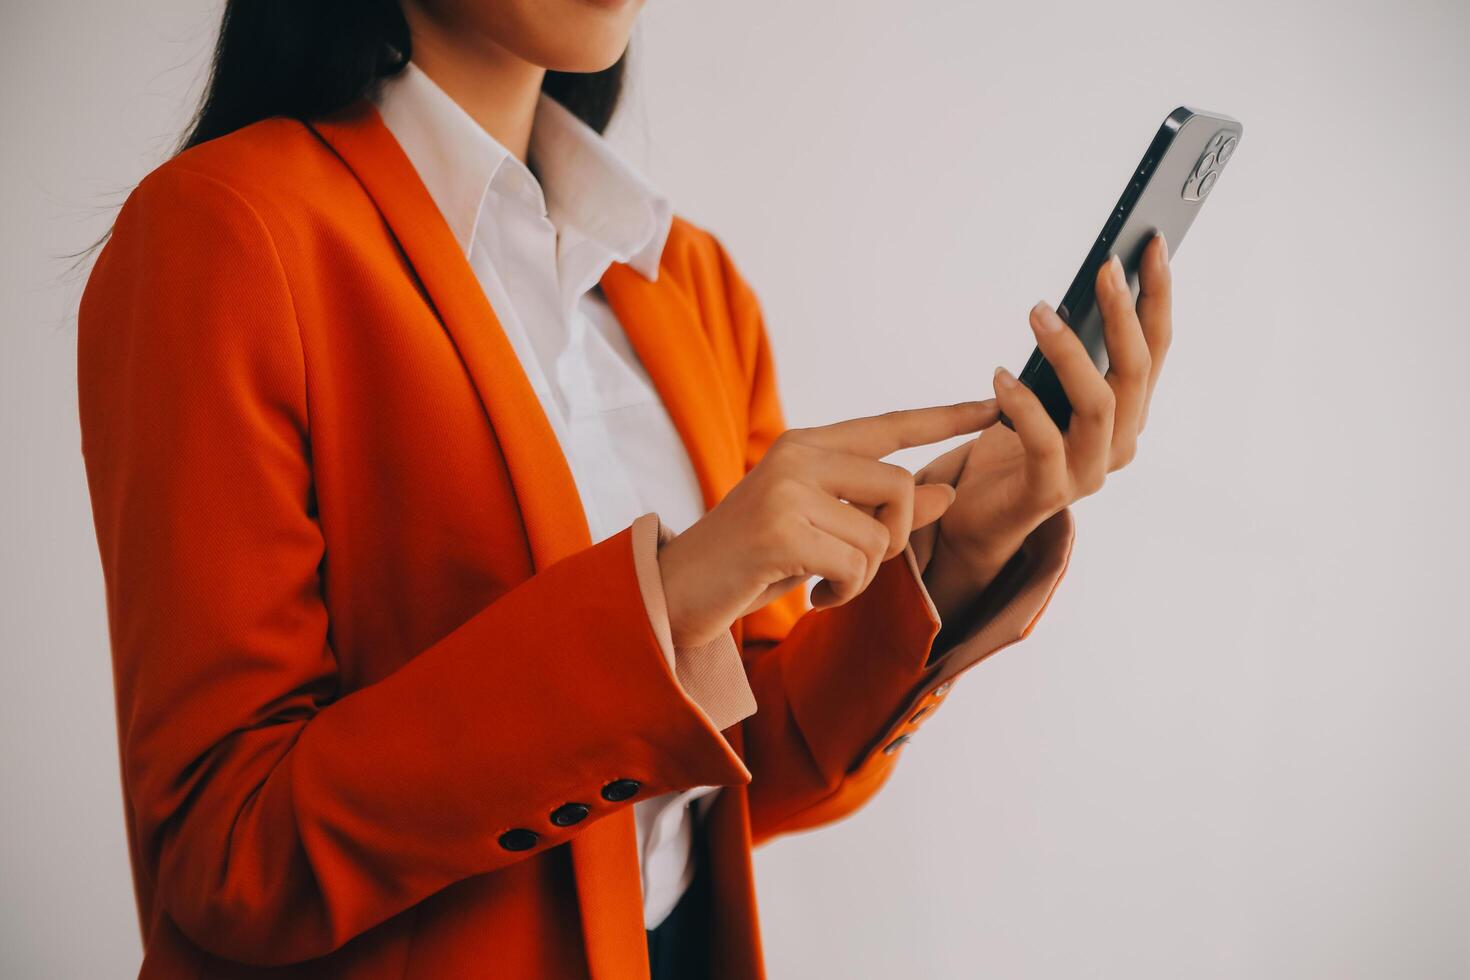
{"x": 359, "y": 630}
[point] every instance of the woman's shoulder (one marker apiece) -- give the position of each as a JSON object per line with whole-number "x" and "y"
{"x": 277, "y": 168}
{"x": 698, "y": 260}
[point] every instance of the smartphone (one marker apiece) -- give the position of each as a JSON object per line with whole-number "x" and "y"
{"x": 1164, "y": 193}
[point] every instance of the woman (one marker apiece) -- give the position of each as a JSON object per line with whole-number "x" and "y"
{"x": 452, "y": 533}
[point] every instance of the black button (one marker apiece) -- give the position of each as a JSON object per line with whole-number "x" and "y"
{"x": 620, "y": 789}
{"x": 568, "y": 814}
{"x": 519, "y": 839}
{"x": 921, "y": 713}
{"x": 895, "y": 745}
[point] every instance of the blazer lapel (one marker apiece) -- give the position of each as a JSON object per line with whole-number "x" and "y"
{"x": 605, "y": 854}
{"x": 663, "y": 325}
{"x": 550, "y": 505}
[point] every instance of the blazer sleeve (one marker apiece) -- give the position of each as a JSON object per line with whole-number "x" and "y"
{"x": 840, "y": 690}
{"x": 273, "y": 814}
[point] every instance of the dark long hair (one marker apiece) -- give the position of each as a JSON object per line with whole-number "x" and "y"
{"x": 307, "y": 58}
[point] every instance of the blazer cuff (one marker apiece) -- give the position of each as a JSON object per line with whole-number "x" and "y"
{"x": 1008, "y": 608}
{"x": 712, "y": 674}
{"x": 841, "y": 714}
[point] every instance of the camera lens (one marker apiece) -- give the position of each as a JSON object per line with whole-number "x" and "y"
{"x": 1227, "y": 149}
{"x": 1205, "y": 165}
{"x": 1208, "y": 182}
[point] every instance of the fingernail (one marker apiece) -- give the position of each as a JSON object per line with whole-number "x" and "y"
{"x": 1163, "y": 247}
{"x": 1044, "y": 319}
{"x": 1004, "y": 378}
{"x": 1115, "y": 269}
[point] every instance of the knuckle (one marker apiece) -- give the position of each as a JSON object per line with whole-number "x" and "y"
{"x": 1056, "y": 497}
{"x": 778, "y": 453}
{"x": 900, "y": 479}
{"x": 879, "y": 538}
{"x": 1134, "y": 363}
{"x": 1053, "y": 492}
{"x": 791, "y": 446}
{"x": 1102, "y": 403}
{"x": 1051, "y": 446}
{"x": 1050, "y": 456}
{"x": 781, "y": 496}
{"x": 788, "y": 564}
{"x": 795, "y": 449}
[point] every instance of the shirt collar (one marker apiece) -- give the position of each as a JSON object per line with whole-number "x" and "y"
{"x": 587, "y": 186}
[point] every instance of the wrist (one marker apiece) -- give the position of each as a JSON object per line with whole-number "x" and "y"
{"x": 957, "y": 576}
{"x": 696, "y": 590}
{"x": 676, "y": 603}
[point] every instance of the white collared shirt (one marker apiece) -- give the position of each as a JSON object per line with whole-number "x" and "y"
{"x": 539, "y": 249}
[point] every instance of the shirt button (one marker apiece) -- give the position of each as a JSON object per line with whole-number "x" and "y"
{"x": 519, "y": 839}
{"x": 896, "y": 744}
{"x": 620, "y": 789}
{"x": 568, "y": 814}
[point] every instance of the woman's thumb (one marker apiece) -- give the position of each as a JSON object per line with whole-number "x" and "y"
{"x": 931, "y": 500}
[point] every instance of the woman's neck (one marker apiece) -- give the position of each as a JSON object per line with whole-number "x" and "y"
{"x": 497, "y": 89}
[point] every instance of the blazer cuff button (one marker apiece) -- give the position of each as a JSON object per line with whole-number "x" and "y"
{"x": 896, "y": 744}
{"x": 568, "y": 814}
{"x": 519, "y": 839}
{"x": 619, "y": 790}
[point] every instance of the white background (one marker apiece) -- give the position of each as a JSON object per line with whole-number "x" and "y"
{"x": 1236, "y": 745}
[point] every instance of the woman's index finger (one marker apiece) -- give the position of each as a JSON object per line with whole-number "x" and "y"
{"x": 876, "y": 436}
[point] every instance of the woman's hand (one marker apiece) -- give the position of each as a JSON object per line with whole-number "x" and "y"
{"x": 1009, "y": 482}
{"x": 820, "y": 502}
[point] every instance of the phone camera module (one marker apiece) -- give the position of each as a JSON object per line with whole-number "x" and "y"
{"x": 1207, "y": 171}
